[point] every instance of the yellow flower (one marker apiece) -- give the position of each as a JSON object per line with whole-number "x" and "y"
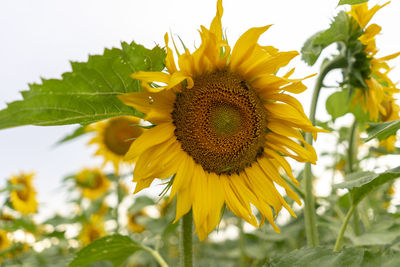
{"x": 223, "y": 127}
{"x": 23, "y": 198}
{"x": 92, "y": 182}
{"x": 92, "y": 230}
{"x": 132, "y": 225}
{"x": 113, "y": 137}
{"x": 380, "y": 87}
{"x": 392, "y": 113}
{"x": 5, "y": 243}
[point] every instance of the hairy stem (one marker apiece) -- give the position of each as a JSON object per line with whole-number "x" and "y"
{"x": 186, "y": 240}
{"x": 309, "y": 210}
{"x": 156, "y": 256}
{"x": 352, "y": 156}
{"x": 343, "y": 228}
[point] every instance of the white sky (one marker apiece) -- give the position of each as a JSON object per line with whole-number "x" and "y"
{"x": 39, "y": 38}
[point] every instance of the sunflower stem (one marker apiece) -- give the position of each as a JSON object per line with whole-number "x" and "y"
{"x": 352, "y": 156}
{"x": 242, "y": 244}
{"x": 186, "y": 240}
{"x": 309, "y": 210}
{"x": 343, "y": 228}
{"x": 156, "y": 256}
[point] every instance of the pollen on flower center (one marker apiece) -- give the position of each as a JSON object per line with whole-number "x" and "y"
{"x": 119, "y": 135}
{"x": 226, "y": 119}
{"x": 220, "y": 122}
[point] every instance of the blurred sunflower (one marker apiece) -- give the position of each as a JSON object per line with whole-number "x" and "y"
{"x": 133, "y": 225}
{"x": 5, "y": 243}
{"x": 392, "y": 113}
{"x": 378, "y": 87}
{"x": 92, "y": 230}
{"x": 92, "y": 182}
{"x": 23, "y": 197}
{"x": 113, "y": 137}
{"x": 223, "y": 127}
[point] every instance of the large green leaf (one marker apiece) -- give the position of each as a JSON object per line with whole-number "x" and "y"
{"x": 88, "y": 93}
{"x": 339, "y": 30}
{"x": 360, "y": 184}
{"x": 322, "y": 256}
{"x": 115, "y": 248}
{"x": 351, "y": 2}
{"x": 340, "y": 103}
{"x": 382, "y": 130}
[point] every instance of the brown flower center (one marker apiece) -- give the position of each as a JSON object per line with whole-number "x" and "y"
{"x": 23, "y": 193}
{"x": 119, "y": 134}
{"x": 220, "y": 122}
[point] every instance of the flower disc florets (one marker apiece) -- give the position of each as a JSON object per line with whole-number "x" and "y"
{"x": 220, "y": 122}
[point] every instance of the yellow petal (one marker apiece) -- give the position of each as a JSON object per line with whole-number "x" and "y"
{"x": 244, "y": 47}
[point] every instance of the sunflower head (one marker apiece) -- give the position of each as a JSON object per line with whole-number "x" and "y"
{"x": 92, "y": 182}
{"x": 23, "y": 196}
{"x": 5, "y": 242}
{"x": 113, "y": 138}
{"x": 92, "y": 230}
{"x": 223, "y": 125}
{"x": 367, "y": 74}
{"x": 133, "y": 225}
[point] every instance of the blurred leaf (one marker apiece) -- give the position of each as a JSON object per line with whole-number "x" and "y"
{"x": 140, "y": 203}
{"x": 351, "y": 2}
{"x": 362, "y": 183}
{"x": 319, "y": 257}
{"x": 338, "y": 31}
{"x": 337, "y": 104}
{"x": 114, "y": 248}
{"x": 88, "y": 93}
{"x": 310, "y": 51}
{"x": 382, "y": 130}
{"x": 78, "y": 132}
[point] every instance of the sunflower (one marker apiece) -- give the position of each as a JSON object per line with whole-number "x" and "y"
{"x": 92, "y": 230}
{"x": 380, "y": 88}
{"x": 392, "y": 113}
{"x": 133, "y": 225}
{"x": 5, "y": 243}
{"x": 113, "y": 137}
{"x": 92, "y": 182}
{"x": 23, "y": 197}
{"x": 222, "y": 126}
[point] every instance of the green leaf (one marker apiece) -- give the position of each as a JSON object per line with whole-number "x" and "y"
{"x": 78, "y": 132}
{"x": 351, "y": 2}
{"x": 114, "y": 248}
{"x": 320, "y": 257}
{"x": 88, "y": 93}
{"x": 339, "y": 30}
{"x": 310, "y": 51}
{"x": 382, "y": 130}
{"x": 337, "y": 104}
{"x": 360, "y": 184}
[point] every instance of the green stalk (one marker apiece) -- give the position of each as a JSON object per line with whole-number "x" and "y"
{"x": 186, "y": 250}
{"x": 242, "y": 244}
{"x": 309, "y": 210}
{"x": 156, "y": 256}
{"x": 343, "y": 228}
{"x": 352, "y": 154}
